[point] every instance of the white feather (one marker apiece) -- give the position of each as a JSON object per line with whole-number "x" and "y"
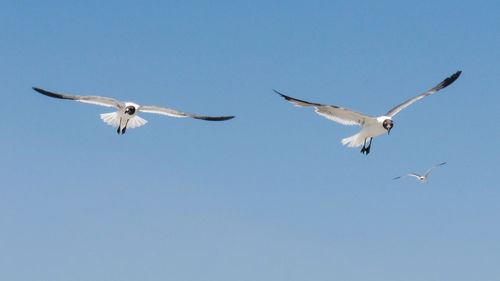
{"x": 136, "y": 122}
{"x": 111, "y": 118}
{"x": 354, "y": 141}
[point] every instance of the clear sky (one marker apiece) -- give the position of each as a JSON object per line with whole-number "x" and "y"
{"x": 272, "y": 194}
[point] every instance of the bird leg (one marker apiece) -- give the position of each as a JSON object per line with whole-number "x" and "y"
{"x": 124, "y": 128}
{"x": 369, "y": 146}
{"x": 119, "y": 128}
{"x": 366, "y": 150}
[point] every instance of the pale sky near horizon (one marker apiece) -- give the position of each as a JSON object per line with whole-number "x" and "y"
{"x": 272, "y": 194}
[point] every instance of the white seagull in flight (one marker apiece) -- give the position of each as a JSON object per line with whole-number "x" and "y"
{"x": 126, "y": 116}
{"x": 372, "y": 126}
{"x": 419, "y": 177}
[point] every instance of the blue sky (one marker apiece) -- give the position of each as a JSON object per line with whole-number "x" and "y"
{"x": 272, "y": 194}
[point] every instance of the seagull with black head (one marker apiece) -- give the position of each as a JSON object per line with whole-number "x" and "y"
{"x": 126, "y": 116}
{"x": 372, "y": 126}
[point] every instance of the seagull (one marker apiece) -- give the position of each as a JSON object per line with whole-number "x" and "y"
{"x": 126, "y": 116}
{"x": 419, "y": 177}
{"x": 372, "y": 126}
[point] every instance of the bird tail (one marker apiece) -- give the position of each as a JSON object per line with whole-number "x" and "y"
{"x": 111, "y": 118}
{"x": 136, "y": 122}
{"x": 353, "y": 141}
{"x": 114, "y": 120}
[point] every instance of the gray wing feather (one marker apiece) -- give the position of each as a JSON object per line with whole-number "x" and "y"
{"x": 176, "y": 113}
{"x": 338, "y": 114}
{"x": 410, "y": 174}
{"x": 103, "y": 101}
{"x": 430, "y": 170}
{"x": 446, "y": 82}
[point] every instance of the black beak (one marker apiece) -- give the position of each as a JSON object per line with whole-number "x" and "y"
{"x": 389, "y": 130}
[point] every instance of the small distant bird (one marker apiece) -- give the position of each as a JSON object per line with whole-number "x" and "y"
{"x": 126, "y": 116}
{"x": 419, "y": 177}
{"x": 372, "y": 126}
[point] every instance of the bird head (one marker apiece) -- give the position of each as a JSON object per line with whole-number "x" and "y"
{"x": 130, "y": 110}
{"x": 387, "y": 124}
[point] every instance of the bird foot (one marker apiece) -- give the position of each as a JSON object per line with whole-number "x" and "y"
{"x": 365, "y": 150}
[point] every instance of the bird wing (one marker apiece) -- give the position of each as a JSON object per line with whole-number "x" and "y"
{"x": 438, "y": 87}
{"x": 340, "y": 115}
{"x": 176, "y": 113}
{"x": 104, "y": 101}
{"x": 410, "y": 174}
{"x": 429, "y": 171}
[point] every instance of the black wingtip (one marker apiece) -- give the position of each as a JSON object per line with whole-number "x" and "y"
{"x": 278, "y": 93}
{"x": 222, "y": 118}
{"x": 451, "y": 79}
{"x": 47, "y": 93}
{"x": 284, "y": 96}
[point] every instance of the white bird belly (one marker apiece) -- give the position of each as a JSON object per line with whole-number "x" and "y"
{"x": 373, "y": 131}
